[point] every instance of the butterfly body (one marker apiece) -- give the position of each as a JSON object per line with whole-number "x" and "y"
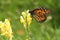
{"x": 39, "y": 14}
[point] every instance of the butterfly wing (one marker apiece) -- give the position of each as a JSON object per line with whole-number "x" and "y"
{"x": 39, "y": 14}
{"x": 40, "y": 18}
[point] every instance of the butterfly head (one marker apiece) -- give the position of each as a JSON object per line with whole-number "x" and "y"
{"x": 31, "y": 12}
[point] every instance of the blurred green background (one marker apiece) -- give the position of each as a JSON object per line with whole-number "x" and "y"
{"x": 48, "y": 30}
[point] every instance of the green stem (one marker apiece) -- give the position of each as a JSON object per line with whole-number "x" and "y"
{"x": 28, "y": 35}
{"x": 27, "y": 30}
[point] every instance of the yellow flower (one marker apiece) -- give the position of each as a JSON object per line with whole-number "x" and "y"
{"x": 1, "y": 24}
{"x": 24, "y": 14}
{"x": 22, "y": 19}
{"x": 6, "y": 29}
{"x": 25, "y": 24}
{"x": 29, "y": 19}
{"x": 26, "y": 19}
{"x": 7, "y": 22}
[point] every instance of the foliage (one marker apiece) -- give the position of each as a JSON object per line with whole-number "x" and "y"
{"x": 48, "y": 30}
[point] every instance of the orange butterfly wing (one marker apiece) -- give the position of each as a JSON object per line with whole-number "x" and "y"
{"x": 39, "y": 14}
{"x": 40, "y": 18}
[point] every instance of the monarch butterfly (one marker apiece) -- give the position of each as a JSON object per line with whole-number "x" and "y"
{"x": 40, "y": 14}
